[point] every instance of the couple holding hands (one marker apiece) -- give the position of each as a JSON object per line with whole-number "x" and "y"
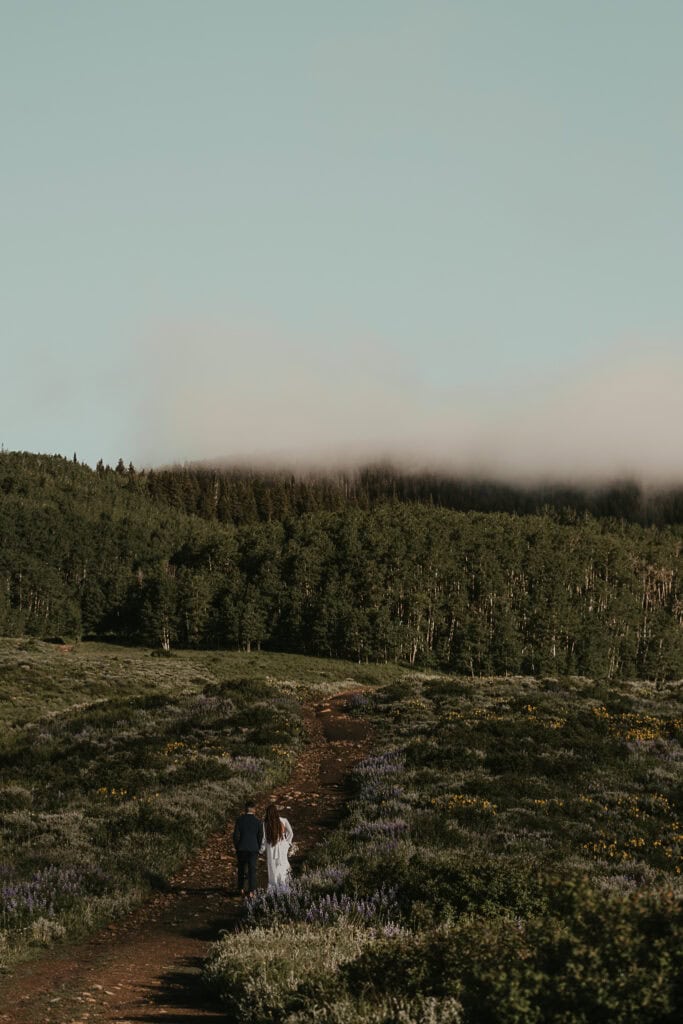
{"x": 272, "y": 836}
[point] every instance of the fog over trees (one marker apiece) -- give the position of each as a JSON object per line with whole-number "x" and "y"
{"x": 477, "y": 577}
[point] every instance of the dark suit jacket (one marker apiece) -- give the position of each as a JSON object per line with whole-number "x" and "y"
{"x": 248, "y": 834}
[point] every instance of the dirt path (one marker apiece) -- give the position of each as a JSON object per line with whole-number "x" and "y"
{"x": 146, "y": 967}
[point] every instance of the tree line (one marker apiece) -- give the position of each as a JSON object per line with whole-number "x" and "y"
{"x": 238, "y": 495}
{"x": 307, "y": 566}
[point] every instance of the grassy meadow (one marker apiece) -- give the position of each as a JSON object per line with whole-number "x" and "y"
{"x": 513, "y": 854}
{"x": 115, "y": 765}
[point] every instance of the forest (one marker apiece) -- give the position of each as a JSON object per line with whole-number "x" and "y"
{"x": 472, "y": 577}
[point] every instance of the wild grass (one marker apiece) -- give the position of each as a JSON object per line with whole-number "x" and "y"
{"x": 257, "y": 978}
{"x": 115, "y": 765}
{"x": 38, "y": 678}
{"x": 530, "y": 834}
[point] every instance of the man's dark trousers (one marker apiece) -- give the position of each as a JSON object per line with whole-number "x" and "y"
{"x": 246, "y": 865}
{"x": 247, "y": 837}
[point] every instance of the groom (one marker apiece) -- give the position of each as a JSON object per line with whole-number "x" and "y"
{"x": 247, "y": 837}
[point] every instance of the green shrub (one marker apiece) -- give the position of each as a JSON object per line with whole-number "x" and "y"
{"x": 612, "y": 959}
{"x": 129, "y": 786}
{"x": 533, "y": 837}
{"x": 387, "y": 1010}
{"x": 262, "y": 973}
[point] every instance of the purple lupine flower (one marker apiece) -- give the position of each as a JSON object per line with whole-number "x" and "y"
{"x": 377, "y": 775}
{"x": 389, "y": 827}
{"x": 43, "y": 894}
{"x": 245, "y": 765}
{"x": 296, "y": 902}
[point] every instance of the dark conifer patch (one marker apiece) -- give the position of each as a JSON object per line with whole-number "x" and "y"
{"x": 374, "y": 568}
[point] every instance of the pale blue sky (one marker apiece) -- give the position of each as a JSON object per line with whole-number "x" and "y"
{"x": 230, "y": 227}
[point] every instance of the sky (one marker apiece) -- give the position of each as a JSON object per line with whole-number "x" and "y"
{"x": 443, "y": 232}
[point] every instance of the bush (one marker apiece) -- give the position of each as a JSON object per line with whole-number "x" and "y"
{"x": 261, "y": 973}
{"x": 612, "y": 959}
{"x": 131, "y": 785}
{"x": 299, "y": 902}
{"x": 533, "y": 844}
{"x": 388, "y": 1010}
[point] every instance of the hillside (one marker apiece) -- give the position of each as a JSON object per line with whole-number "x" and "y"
{"x": 510, "y": 850}
{"x": 337, "y": 569}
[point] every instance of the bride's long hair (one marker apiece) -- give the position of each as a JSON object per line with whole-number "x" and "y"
{"x": 275, "y": 830}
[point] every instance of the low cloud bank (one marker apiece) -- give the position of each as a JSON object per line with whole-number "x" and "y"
{"x": 244, "y": 398}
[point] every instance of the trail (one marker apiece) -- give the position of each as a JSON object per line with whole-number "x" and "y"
{"x": 146, "y": 967}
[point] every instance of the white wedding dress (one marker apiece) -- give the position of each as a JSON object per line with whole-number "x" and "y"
{"x": 276, "y": 856}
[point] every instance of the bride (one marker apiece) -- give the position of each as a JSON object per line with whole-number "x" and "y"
{"x": 277, "y": 839}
